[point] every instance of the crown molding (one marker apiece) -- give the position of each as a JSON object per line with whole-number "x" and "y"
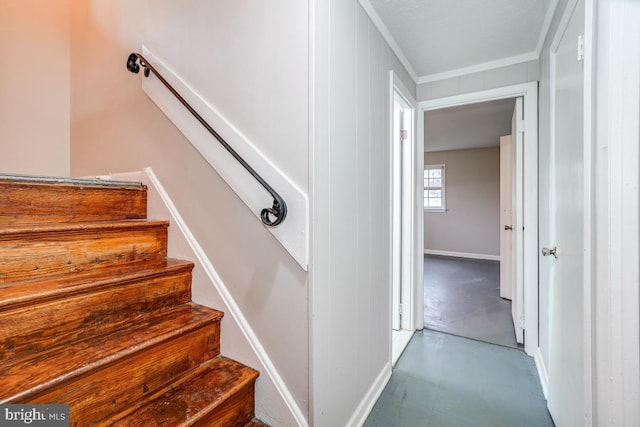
{"x": 386, "y": 34}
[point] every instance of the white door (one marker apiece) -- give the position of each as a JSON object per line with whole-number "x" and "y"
{"x": 566, "y": 381}
{"x": 506, "y": 217}
{"x": 517, "y": 213}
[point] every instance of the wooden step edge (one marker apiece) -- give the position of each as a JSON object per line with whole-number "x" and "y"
{"x": 79, "y": 227}
{"x": 81, "y": 182}
{"x": 32, "y": 374}
{"x": 43, "y": 289}
{"x": 215, "y": 382}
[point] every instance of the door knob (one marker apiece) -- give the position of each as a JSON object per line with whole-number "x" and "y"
{"x": 553, "y": 251}
{"x": 508, "y": 227}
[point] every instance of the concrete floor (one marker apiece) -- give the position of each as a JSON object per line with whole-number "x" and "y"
{"x": 462, "y": 297}
{"x": 443, "y": 380}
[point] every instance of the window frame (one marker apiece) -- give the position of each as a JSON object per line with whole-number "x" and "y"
{"x": 442, "y": 188}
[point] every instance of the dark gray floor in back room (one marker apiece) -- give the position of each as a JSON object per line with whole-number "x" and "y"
{"x": 442, "y": 380}
{"x": 462, "y": 297}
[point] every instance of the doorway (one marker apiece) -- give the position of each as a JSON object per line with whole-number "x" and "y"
{"x": 469, "y": 228}
{"x": 527, "y": 272}
{"x": 402, "y": 240}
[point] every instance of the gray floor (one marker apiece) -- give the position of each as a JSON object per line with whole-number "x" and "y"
{"x": 443, "y": 380}
{"x": 462, "y": 297}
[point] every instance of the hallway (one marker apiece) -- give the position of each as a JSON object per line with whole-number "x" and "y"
{"x": 443, "y": 380}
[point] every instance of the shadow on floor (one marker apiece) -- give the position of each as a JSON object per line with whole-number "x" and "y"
{"x": 462, "y": 297}
{"x": 443, "y": 380}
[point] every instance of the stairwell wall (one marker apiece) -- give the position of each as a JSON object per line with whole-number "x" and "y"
{"x": 249, "y": 60}
{"x": 34, "y": 87}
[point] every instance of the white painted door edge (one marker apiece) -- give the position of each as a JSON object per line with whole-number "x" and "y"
{"x": 293, "y": 232}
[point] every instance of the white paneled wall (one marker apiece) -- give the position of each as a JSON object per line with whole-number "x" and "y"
{"x": 350, "y": 214}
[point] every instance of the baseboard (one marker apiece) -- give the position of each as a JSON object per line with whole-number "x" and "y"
{"x": 462, "y": 254}
{"x": 542, "y": 372}
{"x": 366, "y": 404}
{"x": 149, "y": 178}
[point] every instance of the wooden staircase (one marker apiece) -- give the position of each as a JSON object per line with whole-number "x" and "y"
{"x": 94, "y": 314}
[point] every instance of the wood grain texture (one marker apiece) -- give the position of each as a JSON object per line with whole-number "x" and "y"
{"x": 219, "y": 393}
{"x": 93, "y": 314}
{"x": 22, "y": 293}
{"x": 103, "y": 375}
{"x": 40, "y": 250}
{"x": 32, "y": 328}
{"x": 37, "y": 202}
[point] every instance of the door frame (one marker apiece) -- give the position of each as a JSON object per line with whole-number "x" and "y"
{"x": 409, "y": 220}
{"x": 529, "y": 91}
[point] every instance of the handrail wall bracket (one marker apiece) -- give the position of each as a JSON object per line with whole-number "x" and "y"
{"x": 270, "y": 217}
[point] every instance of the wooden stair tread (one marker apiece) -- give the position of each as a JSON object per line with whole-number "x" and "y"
{"x": 80, "y": 182}
{"x": 21, "y": 293}
{"x": 78, "y": 227}
{"x": 29, "y": 375}
{"x": 194, "y": 397}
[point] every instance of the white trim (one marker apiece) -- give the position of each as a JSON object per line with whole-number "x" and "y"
{"x": 370, "y": 398}
{"x": 530, "y": 93}
{"x": 386, "y": 35}
{"x": 228, "y": 300}
{"x": 546, "y": 25}
{"x": 543, "y": 374}
{"x": 409, "y": 224}
{"x": 443, "y": 188}
{"x": 293, "y": 233}
{"x": 399, "y": 341}
{"x": 503, "y": 62}
{"x": 462, "y": 254}
{"x": 476, "y": 68}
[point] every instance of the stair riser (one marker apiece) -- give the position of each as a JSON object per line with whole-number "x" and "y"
{"x": 115, "y": 387}
{"x": 36, "y": 327}
{"x": 23, "y": 203}
{"x": 219, "y": 392}
{"x": 236, "y": 411}
{"x": 27, "y": 256}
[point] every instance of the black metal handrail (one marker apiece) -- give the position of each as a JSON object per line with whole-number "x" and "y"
{"x": 279, "y": 209}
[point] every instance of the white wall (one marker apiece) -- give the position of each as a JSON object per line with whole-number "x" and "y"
{"x": 350, "y": 193}
{"x": 34, "y": 87}
{"x": 471, "y": 223}
{"x": 616, "y": 161}
{"x": 250, "y": 61}
{"x": 522, "y": 72}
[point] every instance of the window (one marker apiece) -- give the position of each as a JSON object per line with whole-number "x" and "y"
{"x": 434, "y": 190}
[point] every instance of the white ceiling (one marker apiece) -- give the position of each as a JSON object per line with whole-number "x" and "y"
{"x": 440, "y": 37}
{"x": 468, "y": 126}
{"x": 437, "y": 39}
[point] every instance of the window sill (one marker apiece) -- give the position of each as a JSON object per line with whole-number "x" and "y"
{"x": 435, "y": 210}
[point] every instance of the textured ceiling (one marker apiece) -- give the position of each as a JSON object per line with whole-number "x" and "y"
{"x": 438, "y": 36}
{"x": 468, "y": 126}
